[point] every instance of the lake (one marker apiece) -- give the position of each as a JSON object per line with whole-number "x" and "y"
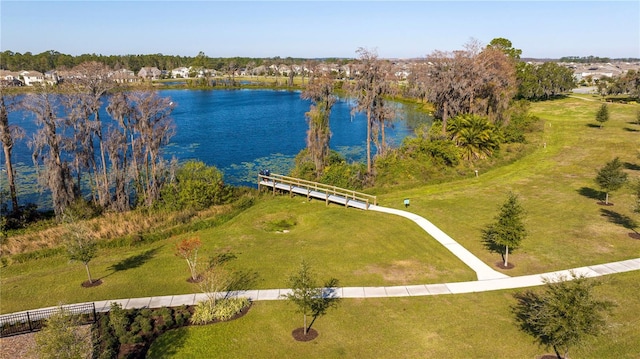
{"x": 238, "y": 131}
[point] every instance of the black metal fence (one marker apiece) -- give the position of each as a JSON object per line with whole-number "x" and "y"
{"x": 30, "y": 321}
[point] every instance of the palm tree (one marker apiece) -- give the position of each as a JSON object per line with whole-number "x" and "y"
{"x": 474, "y": 135}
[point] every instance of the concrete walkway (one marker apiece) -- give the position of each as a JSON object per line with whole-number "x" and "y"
{"x": 388, "y": 292}
{"x": 483, "y": 271}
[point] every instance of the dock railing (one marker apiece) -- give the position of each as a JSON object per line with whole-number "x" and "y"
{"x": 295, "y": 184}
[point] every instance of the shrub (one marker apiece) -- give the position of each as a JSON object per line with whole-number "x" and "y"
{"x": 196, "y": 186}
{"x": 82, "y": 209}
{"x": 203, "y": 313}
{"x": 105, "y": 343}
{"x": 119, "y": 321}
{"x": 181, "y": 315}
{"x": 225, "y": 309}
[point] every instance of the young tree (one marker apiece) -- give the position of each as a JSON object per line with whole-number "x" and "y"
{"x": 80, "y": 245}
{"x": 507, "y": 231}
{"x": 602, "y": 115}
{"x": 320, "y": 92}
{"x": 217, "y": 278}
{"x": 187, "y": 249}
{"x": 563, "y": 315}
{"x": 62, "y": 338}
{"x": 611, "y": 177}
{"x": 308, "y": 297}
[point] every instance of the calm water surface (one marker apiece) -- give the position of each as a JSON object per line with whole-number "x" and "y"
{"x": 238, "y": 131}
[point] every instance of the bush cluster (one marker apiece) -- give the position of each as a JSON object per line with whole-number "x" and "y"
{"x": 129, "y": 333}
{"x": 337, "y": 171}
{"x": 209, "y": 311}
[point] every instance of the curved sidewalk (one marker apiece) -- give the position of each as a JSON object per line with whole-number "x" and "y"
{"x": 483, "y": 271}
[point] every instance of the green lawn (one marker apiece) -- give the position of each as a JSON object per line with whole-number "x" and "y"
{"x": 359, "y": 248}
{"x": 567, "y": 228}
{"x": 449, "y": 326}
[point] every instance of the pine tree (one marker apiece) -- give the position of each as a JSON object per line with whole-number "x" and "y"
{"x": 507, "y": 231}
{"x": 611, "y": 177}
{"x": 602, "y": 115}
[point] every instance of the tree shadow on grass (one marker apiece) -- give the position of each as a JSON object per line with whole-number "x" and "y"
{"x": 593, "y": 125}
{"x": 590, "y": 193}
{"x": 631, "y": 166}
{"x": 620, "y": 219}
{"x": 134, "y": 261}
{"x": 629, "y": 129}
{"x": 240, "y": 282}
{"x": 168, "y": 344}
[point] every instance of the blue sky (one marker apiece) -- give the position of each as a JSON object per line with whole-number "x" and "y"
{"x": 395, "y": 29}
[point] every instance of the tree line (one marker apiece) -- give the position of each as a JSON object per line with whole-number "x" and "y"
{"x": 54, "y": 60}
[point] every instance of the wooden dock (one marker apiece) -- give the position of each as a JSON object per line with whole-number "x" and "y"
{"x": 330, "y": 194}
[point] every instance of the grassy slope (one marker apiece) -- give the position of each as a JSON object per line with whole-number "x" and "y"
{"x": 359, "y": 248}
{"x": 567, "y": 228}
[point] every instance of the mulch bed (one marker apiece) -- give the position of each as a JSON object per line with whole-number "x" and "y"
{"x": 298, "y": 334}
{"x": 95, "y": 283}
{"x": 602, "y": 204}
{"x": 502, "y": 266}
{"x": 197, "y": 280}
{"x": 634, "y": 235}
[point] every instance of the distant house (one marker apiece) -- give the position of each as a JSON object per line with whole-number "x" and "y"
{"x": 31, "y": 78}
{"x": 152, "y": 73}
{"x": 124, "y": 76}
{"x": 51, "y": 77}
{"x": 10, "y": 78}
{"x": 180, "y": 72}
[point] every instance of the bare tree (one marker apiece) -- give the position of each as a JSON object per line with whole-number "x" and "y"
{"x": 120, "y": 144}
{"x": 151, "y": 116}
{"x": 86, "y": 90}
{"x": 9, "y": 133}
{"x": 123, "y": 156}
{"x": 447, "y": 85}
{"x": 47, "y": 146}
{"x": 370, "y": 87}
{"x": 474, "y": 80}
{"x": 320, "y": 92}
